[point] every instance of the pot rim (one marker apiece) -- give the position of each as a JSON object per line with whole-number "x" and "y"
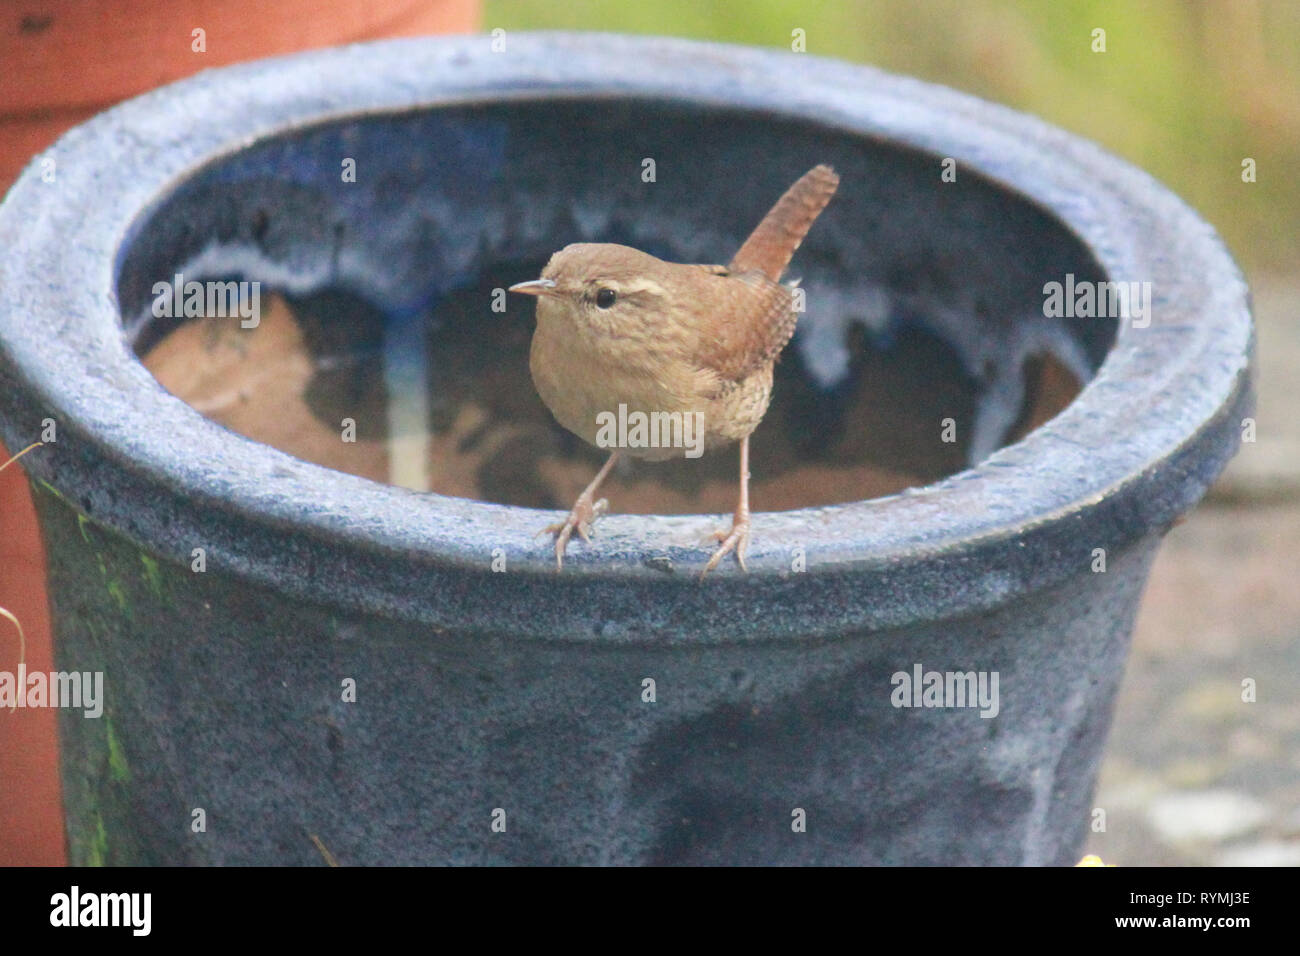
{"x": 1136, "y": 448}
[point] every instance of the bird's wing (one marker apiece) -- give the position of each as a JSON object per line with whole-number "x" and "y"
{"x": 772, "y": 244}
{"x": 749, "y": 323}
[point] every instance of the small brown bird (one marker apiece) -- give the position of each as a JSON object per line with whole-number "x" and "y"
{"x": 671, "y": 354}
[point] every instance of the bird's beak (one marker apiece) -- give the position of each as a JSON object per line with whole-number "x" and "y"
{"x": 533, "y": 286}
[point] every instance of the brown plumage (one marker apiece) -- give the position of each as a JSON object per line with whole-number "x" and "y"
{"x": 617, "y": 327}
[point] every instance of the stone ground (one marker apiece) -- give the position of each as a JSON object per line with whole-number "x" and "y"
{"x": 1193, "y": 774}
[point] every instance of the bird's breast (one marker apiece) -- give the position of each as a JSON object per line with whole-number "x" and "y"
{"x": 651, "y": 401}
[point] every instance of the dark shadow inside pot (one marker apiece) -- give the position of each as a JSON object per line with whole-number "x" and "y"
{"x": 385, "y": 346}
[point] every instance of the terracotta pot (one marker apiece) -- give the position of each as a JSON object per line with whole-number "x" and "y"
{"x": 65, "y": 60}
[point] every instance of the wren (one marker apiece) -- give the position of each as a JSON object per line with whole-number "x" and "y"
{"x": 620, "y": 332}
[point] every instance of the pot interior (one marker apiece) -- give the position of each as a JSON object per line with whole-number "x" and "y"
{"x": 339, "y": 297}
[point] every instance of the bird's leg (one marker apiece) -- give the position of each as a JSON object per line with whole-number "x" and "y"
{"x": 585, "y": 510}
{"x": 737, "y": 539}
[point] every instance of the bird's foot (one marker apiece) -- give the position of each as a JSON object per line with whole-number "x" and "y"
{"x": 580, "y": 519}
{"x": 737, "y": 539}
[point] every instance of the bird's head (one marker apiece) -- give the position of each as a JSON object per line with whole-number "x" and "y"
{"x": 601, "y": 284}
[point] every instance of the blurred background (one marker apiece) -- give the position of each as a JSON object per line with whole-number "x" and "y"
{"x": 1187, "y": 91}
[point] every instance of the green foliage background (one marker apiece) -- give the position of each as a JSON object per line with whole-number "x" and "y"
{"x": 1186, "y": 88}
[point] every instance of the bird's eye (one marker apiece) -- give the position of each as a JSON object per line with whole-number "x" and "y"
{"x": 605, "y": 298}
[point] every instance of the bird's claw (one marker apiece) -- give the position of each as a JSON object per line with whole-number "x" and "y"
{"x": 737, "y": 539}
{"x": 580, "y": 519}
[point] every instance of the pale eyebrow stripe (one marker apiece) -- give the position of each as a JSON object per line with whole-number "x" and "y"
{"x": 638, "y": 285}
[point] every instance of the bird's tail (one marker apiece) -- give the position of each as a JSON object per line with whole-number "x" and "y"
{"x": 770, "y": 247}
